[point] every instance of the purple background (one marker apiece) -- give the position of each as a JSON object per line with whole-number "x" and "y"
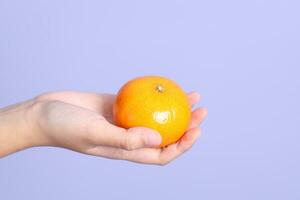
{"x": 243, "y": 56}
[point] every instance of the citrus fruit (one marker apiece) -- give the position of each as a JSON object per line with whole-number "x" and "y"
{"x": 153, "y": 102}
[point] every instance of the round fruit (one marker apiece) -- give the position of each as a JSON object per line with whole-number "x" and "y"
{"x": 154, "y": 102}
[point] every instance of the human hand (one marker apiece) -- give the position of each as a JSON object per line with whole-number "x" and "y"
{"x": 83, "y": 122}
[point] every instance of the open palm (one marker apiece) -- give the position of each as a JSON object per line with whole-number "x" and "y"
{"x": 83, "y": 122}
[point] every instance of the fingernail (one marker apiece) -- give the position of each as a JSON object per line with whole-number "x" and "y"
{"x": 153, "y": 139}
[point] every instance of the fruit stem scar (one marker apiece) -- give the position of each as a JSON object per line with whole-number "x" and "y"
{"x": 160, "y": 88}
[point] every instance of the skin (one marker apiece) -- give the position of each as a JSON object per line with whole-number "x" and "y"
{"x": 82, "y": 122}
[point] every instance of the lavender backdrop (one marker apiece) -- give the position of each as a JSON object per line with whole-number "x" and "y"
{"x": 243, "y": 56}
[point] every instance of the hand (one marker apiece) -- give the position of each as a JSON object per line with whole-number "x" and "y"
{"x": 83, "y": 122}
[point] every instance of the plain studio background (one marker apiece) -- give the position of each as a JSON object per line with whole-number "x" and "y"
{"x": 243, "y": 56}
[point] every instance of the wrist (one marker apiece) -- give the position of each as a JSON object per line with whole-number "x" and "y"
{"x": 19, "y": 129}
{"x": 33, "y": 132}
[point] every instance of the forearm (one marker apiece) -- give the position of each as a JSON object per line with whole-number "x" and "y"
{"x": 16, "y": 129}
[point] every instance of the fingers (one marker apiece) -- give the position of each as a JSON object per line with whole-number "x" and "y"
{"x": 173, "y": 151}
{"x": 193, "y": 98}
{"x": 149, "y": 155}
{"x": 199, "y": 114}
{"x": 166, "y": 155}
{"x": 197, "y": 118}
{"x": 188, "y": 139}
{"x": 106, "y": 134}
{"x": 136, "y": 144}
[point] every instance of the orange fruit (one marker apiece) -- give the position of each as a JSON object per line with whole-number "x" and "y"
{"x": 154, "y": 102}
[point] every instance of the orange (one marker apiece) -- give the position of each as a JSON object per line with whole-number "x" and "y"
{"x": 154, "y": 102}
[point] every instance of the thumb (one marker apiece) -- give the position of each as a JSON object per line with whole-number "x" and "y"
{"x": 133, "y": 138}
{"x": 140, "y": 137}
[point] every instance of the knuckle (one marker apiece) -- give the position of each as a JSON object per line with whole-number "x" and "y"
{"x": 129, "y": 143}
{"x": 44, "y": 96}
